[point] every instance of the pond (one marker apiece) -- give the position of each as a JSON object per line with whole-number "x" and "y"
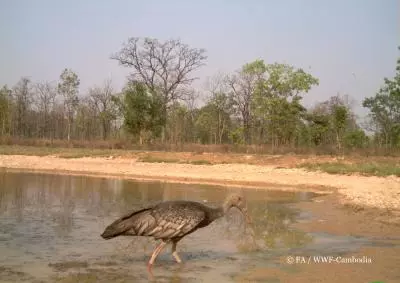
{"x": 50, "y": 228}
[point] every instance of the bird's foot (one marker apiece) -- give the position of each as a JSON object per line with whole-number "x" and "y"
{"x": 149, "y": 267}
{"x": 176, "y": 256}
{"x": 150, "y": 272}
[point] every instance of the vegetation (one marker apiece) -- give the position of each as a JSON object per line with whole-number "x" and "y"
{"x": 365, "y": 168}
{"x": 370, "y": 166}
{"x": 59, "y": 151}
{"x": 256, "y": 109}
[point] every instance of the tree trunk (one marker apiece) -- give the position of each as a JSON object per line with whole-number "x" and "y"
{"x": 140, "y": 138}
{"x": 105, "y": 130}
{"x": 3, "y": 127}
{"x": 246, "y": 131}
{"x": 339, "y": 144}
{"x": 69, "y": 131}
{"x": 221, "y": 133}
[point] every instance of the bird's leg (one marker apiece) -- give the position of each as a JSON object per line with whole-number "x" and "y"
{"x": 156, "y": 251}
{"x": 175, "y": 253}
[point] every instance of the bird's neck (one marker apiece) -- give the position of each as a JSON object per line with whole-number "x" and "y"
{"x": 216, "y": 213}
{"x": 225, "y": 207}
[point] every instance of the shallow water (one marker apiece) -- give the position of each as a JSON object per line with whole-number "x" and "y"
{"x": 50, "y": 228}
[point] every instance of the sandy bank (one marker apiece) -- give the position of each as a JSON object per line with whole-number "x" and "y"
{"x": 377, "y": 192}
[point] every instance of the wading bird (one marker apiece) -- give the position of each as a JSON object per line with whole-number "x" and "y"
{"x": 170, "y": 221}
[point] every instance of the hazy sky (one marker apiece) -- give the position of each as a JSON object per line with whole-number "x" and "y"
{"x": 330, "y": 39}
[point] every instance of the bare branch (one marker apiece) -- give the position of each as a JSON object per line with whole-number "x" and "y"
{"x": 217, "y": 84}
{"x": 46, "y": 93}
{"x": 102, "y": 100}
{"x": 161, "y": 66}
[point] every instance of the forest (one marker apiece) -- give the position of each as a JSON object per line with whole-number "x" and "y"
{"x": 256, "y": 108}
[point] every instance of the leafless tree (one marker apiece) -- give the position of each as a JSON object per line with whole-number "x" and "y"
{"x": 102, "y": 100}
{"x": 218, "y": 88}
{"x": 191, "y": 98}
{"x": 164, "y": 67}
{"x": 22, "y": 94}
{"x": 87, "y": 120}
{"x": 5, "y": 110}
{"x": 217, "y": 84}
{"x": 46, "y": 93}
{"x": 242, "y": 86}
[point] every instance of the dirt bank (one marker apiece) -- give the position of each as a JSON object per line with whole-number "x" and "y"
{"x": 331, "y": 217}
{"x": 378, "y": 192}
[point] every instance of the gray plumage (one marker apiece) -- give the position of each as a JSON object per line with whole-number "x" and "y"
{"x": 170, "y": 221}
{"x": 167, "y": 220}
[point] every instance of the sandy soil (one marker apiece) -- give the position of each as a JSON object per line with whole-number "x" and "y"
{"x": 356, "y": 191}
{"x": 383, "y": 268}
{"x": 333, "y": 219}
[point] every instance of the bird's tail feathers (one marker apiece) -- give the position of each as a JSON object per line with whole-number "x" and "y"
{"x": 120, "y": 225}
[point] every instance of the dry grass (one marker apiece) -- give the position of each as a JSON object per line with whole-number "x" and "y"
{"x": 378, "y": 165}
{"x": 375, "y": 168}
{"x": 153, "y": 159}
{"x": 198, "y": 148}
{"x": 200, "y": 162}
{"x": 58, "y": 151}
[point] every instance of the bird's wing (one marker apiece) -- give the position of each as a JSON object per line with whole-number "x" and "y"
{"x": 130, "y": 223}
{"x": 175, "y": 220}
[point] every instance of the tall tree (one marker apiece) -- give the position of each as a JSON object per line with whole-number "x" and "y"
{"x": 385, "y": 109}
{"x": 164, "y": 67}
{"x": 102, "y": 98}
{"x": 191, "y": 98}
{"x": 22, "y": 94}
{"x": 340, "y": 117}
{"x": 46, "y": 94}
{"x": 178, "y": 118}
{"x": 87, "y": 123}
{"x": 142, "y": 111}
{"x": 333, "y": 122}
{"x": 287, "y": 81}
{"x": 276, "y": 101}
{"x": 206, "y": 127}
{"x": 213, "y": 120}
{"x": 242, "y": 86}
{"x": 220, "y": 106}
{"x": 5, "y": 110}
{"x": 68, "y": 88}
{"x": 318, "y": 121}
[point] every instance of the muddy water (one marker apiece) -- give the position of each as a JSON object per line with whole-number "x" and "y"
{"x": 50, "y": 228}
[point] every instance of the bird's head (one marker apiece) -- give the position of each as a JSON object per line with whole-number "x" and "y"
{"x": 239, "y": 202}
